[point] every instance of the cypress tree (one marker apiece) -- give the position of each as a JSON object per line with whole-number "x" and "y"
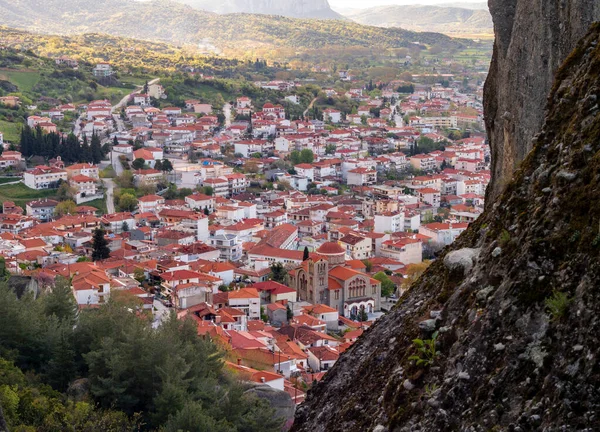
{"x": 96, "y": 149}
{"x": 100, "y": 249}
{"x": 85, "y": 153}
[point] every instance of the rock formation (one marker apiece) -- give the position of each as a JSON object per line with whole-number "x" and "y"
{"x": 292, "y": 8}
{"x": 533, "y": 37}
{"x": 511, "y": 313}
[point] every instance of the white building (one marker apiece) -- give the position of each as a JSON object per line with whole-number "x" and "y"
{"x": 332, "y": 115}
{"x": 103, "y": 70}
{"x": 407, "y": 251}
{"x": 443, "y": 233}
{"x": 389, "y": 222}
{"x": 43, "y": 177}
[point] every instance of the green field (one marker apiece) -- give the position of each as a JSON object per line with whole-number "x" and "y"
{"x": 100, "y": 204}
{"x": 8, "y": 179}
{"x": 11, "y": 131}
{"x": 137, "y": 81}
{"x": 21, "y": 194}
{"x": 24, "y": 80}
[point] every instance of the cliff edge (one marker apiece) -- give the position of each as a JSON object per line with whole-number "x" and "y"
{"x": 510, "y": 313}
{"x": 533, "y": 38}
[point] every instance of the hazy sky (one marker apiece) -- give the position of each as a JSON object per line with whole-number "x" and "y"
{"x": 371, "y": 3}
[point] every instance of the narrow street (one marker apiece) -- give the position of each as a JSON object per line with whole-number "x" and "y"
{"x": 116, "y": 163}
{"x": 227, "y": 114}
{"x": 110, "y": 201}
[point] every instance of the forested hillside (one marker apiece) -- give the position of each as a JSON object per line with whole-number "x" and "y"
{"x": 112, "y": 371}
{"x": 237, "y": 35}
{"x": 447, "y": 20}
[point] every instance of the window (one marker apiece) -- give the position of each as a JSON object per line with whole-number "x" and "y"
{"x": 337, "y": 294}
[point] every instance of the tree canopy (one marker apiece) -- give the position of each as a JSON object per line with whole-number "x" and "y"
{"x": 167, "y": 378}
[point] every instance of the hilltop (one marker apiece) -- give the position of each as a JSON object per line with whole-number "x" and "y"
{"x": 447, "y": 20}
{"x": 235, "y": 35}
{"x": 299, "y": 9}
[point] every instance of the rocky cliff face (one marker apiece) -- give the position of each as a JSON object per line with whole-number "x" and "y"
{"x": 292, "y": 8}
{"x": 533, "y": 37}
{"x": 514, "y": 303}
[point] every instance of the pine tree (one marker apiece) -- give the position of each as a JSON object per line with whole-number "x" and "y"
{"x": 306, "y": 254}
{"x": 61, "y": 369}
{"x": 100, "y": 250}
{"x": 60, "y": 302}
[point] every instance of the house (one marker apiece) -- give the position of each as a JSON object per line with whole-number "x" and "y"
{"x": 44, "y": 177}
{"x": 406, "y": 250}
{"x": 362, "y": 176}
{"x": 430, "y": 196}
{"x": 174, "y": 279}
{"x": 10, "y": 158}
{"x": 243, "y": 102}
{"x": 85, "y": 169}
{"x": 91, "y": 286}
{"x": 170, "y": 237}
{"x": 141, "y": 99}
{"x": 43, "y": 209}
{"x": 277, "y": 314}
{"x": 147, "y": 176}
{"x": 150, "y": 203}
{"x": 103, "y": 70}
{"x": 149, "y": 154}
{"x": 156, "y": 91}
{"x": 220, "y": 186}
{"x": 389, "y": 222}
{"x": 275, "y": 218}
{"x": 274, "y": 292}
{"x": 115, "y": 221}
{"x": 85, "y": 186}
{"x": 99, "y": 109}
{"x": 325, "y": 313}
{"x": 423, "y": 162}
{"x": 332, "y": 115}
{"x": 229, "y": 246}
{"x": 357, "y": 247}
{"x": 246, "y": 300}
{"x": 305, "y": 170}
{"x": 200, "y": 201}
{"x": 443, "y": 233}
{"x": 322, "y": 358}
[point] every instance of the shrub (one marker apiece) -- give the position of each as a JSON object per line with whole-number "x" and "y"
{"x": 426, "y": 351}
{"x": 558, "y": 304}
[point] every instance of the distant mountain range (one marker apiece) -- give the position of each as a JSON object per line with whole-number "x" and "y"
{"x": 466, "y": 5}
{"x": 442, "y": 19}
{"x": 164, "y": 20}
{"x": 319, "y": 9}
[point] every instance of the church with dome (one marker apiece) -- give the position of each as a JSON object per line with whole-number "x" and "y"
{"x": 326, "y": 279}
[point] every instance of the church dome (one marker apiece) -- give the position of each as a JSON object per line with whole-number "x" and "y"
{"x": 331, "y": 248}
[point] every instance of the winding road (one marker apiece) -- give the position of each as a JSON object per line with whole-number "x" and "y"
{"x": 123, "y": 102}
{"x": 312, "y": 102}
